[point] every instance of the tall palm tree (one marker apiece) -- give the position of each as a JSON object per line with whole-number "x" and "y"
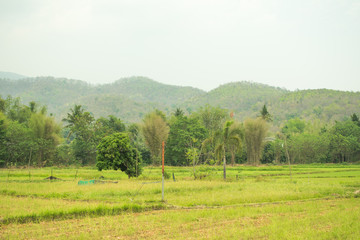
{"x": 73, "y": 116}
{"x": 228, "y": 137}
{"x": 77, "y": 116}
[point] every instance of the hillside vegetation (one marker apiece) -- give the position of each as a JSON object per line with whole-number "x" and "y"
{"x": 131, "y": 98}
{"x": 10, "y": 75}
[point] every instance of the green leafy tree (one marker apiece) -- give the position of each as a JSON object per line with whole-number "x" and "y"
{"x": 182, "y": 132}
{"x": 278, "y": 150}
{"x": 226, "y": 139}
{"x": 108, "y": 126}
{"x": 223, "y": 140}
{"x": 213, "y": 119}
{"x": 46, "y": 133}
{"x": 192, "y": 155}
{"x": 178, "y": 112}
{"x": 355, "y": 119}
{"x": 137, "y": 140}
{"x": 309, "y": 148}
{"x": 19, "y": 143}
{"x": 234, "y": 146}
{"x": 80, "y": 123}
{"x": 294, "y": 126}
{"x": 265, "y": 114}
{"x": 3, "y": 149}
{"x": 116, "y": 152}
{"x": 344, "y": 141}
{"x": 28, "y": 134}
{"x": 16, "y": 111}
{"x": 77, "y": 120}
{"x": 2, "y": 105}
{"x": 64, "y": 155}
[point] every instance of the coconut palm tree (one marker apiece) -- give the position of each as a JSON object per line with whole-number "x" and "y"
{"x": 77, "y": 117}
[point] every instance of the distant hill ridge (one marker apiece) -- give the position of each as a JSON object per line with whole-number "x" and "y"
{"x": 131, "y": 98}
{"x": 147, "y": 90}
{"x": 11, "y": 76}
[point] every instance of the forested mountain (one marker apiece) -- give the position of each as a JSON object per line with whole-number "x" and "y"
{"x": 57, "y": 94}
{"x": 128, "y": 98}
{"x": 131, "y": 98}
{"x": 326, "y": 105}
{"x": 10, "y": 75}
{"x": 142, "y": 89}
{"x": 245, "y": 99}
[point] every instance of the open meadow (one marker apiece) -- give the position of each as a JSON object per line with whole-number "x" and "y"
{"x": 266, "y": 202}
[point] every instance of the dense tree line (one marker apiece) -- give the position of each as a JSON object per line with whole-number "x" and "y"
{"x": 29, "y": 136}
{"x": 132, "y": 98}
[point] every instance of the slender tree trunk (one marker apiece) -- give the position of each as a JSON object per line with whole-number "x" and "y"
{"x": 29, "y": 162}
{"x": 136, "y": 170}
{"x": 287, "y": 154}
{"x": 232, "y": 158}
{"x": 194, "y": 165}
{"x": 224, "y": 165}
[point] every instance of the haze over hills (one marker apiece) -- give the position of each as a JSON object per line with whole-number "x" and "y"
{"x": 10, "y": 75}
{"x": 131, "y": 98}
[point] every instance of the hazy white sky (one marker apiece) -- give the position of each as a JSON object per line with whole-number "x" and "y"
{"x": 200, "y": 43}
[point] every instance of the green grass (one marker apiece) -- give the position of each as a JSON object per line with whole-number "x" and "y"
{"x": 318, "y": 201}
{"x": 326, "y": 219}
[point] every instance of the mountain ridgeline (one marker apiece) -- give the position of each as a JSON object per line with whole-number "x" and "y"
{"x": 131, "y": 98}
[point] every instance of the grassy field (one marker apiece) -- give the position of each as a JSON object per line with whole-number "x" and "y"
{"x": 314, "y": 202}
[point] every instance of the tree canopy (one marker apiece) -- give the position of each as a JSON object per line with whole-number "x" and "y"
{"x": 115, "y": 152}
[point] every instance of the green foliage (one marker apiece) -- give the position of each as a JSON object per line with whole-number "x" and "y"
{"x": 355, "y": 119}
{"x": 192, "y": 156}
{"x": 344, "y": 141}
{"x": 155, "y": 131}
{"x": 265, "y": 114}
{"x": 15, "y": 110}
{"x": 268, "y": 155}
{"x": 111, "y": 125}
{"x": 64, "y": 156}
{"x": 115, "y": 152}
{"x": 227, "y": 139}
{"x": 178, "y": 112}
{"x": 315, "y": 124}
{"x": 132, "y": 98}
{"x": 183, "y": 131}
{"x": 309, "y": 148}
{"x": 243, "y": 98}
{"x": 212, "y": 118}
{"x": 19, "y": 143}
{"x": 27, "y": 135}
{"x": 293, "y": 126}
{"x": 255, "y": 133}
{"x": 3, "y": 149}
{"x": 80, "y": 123}
{"x": 46, "y": 133}
{"x": 137, "y": 140}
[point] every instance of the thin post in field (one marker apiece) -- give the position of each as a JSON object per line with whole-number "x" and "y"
{"x": 163, "y": 160}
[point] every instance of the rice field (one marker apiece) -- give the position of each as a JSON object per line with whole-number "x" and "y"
{"x": 267, "y": 202}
